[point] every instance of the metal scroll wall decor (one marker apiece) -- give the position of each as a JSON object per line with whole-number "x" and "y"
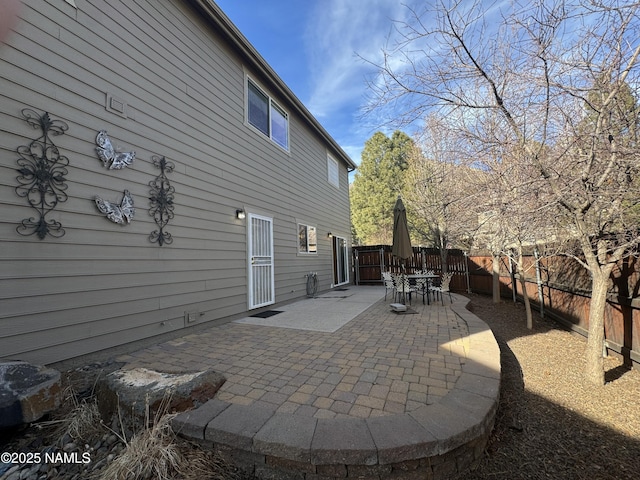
{"x": 161, "y": 201}
{"x": 122, "y": 213}
{"x": 42, "y": 176}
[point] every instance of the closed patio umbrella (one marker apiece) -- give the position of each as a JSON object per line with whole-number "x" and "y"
{"x": 401, "y": 247}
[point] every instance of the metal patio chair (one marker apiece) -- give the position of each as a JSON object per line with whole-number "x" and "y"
{"x": 389, "y": 284}
{"x": 443, "y": 287}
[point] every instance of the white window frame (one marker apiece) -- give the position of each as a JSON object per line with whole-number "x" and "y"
{"x": 333, "y": 171}
{"x": 274, "y": 112}
{"x": 308, "y": 247}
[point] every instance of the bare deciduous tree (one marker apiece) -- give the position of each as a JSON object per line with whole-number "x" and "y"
{"x": 438, "y": 191}
{"x": 553, "y": 83}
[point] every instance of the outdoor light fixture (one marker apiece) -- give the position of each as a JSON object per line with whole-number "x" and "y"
{"x": 240, "y": 214}
{"x": 329, "y": 235}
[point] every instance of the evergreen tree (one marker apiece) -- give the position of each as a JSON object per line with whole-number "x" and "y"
{"x": 376, "y": 186}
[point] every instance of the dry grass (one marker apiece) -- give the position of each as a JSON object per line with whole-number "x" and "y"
{"x": 83, "y": 422}
{"x": 201, "y": 465}
{"x": 150, "y": 454}
{"x": 77, "y": 419}
{"x": 550, "y": 422}
{"x": 157, "y": 453}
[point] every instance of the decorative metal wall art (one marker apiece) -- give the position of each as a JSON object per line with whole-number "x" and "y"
{"x": 110, "y": 158}
{"x": 42, "y": 176}
{"x": 118, "y": 213}
{"x": 161, "y": 201}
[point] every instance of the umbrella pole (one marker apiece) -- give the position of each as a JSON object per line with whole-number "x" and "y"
{"x": 404, "y": 271}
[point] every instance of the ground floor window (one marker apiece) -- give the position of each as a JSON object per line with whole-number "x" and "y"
{"x": 307, "y": 239}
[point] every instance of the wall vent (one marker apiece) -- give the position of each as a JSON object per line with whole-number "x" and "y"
{"x": 116, "y": 105}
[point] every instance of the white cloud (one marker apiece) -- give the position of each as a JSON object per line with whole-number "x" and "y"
{"x": 339, "y": 31}
{"x": 337, "y": 34}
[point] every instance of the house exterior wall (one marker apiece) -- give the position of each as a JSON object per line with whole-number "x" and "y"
{"x": 103, "y": 284}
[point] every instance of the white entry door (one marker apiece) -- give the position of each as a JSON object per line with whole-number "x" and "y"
{"x": 260, "y": 241}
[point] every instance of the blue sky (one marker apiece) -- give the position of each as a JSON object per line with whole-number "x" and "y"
{"x": 312, "y": 45}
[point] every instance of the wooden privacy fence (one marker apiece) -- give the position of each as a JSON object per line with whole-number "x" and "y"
{"x": 556, "y": 286}
{"x": 369, "y": 262}
{"x": 560, "y": 288}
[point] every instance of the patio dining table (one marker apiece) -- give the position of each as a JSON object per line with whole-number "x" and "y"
{"x": 428, "y": 277}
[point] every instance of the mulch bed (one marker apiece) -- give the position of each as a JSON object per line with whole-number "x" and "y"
{"x": 551, "y": 423}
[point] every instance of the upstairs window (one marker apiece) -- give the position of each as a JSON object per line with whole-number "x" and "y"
{"x": 258, "y": 113}
{"x": 267, "y": 116}
{"x": 333, "y": 172}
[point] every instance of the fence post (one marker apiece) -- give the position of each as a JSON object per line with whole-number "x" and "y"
{"x": 539, "y": 282}
{"x": 466, "y": 270}
{"x": 495, "y": 272}
{"x": 514, "y": 286}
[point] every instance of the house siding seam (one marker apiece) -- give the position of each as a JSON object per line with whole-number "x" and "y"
{"x": 101, "y": 284}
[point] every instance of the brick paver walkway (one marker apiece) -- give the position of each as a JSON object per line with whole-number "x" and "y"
{"x": 380, "y": 363}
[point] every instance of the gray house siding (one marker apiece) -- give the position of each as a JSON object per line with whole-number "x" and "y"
{"x": 183, "y": 82}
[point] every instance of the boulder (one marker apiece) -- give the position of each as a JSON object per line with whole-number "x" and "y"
{"x": 141, "y": 391}
{"x": 27, "y": 392}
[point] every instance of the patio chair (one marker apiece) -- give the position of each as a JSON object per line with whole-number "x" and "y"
{"x": 404, "y": 287}
{"x": 428, "y": 280}
{"x": 389, "y": 284}
{"x": 421, "y": 287}
{"x": 397, "y": 282}
{"x": 443, "y": 287}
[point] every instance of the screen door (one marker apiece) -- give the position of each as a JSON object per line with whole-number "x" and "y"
{"x": 261, "y": 280}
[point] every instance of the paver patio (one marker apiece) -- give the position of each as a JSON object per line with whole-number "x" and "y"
{"x": 376, "y": 392}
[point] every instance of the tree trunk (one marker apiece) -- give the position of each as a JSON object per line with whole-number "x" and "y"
{"x": 527, "y": 303}
{"x": 496, "y": 278}
{"x": 523, "y": 284}
{"x": 444, "y": 261}
{"x": 442, "y": 246}
{"x": 595, "y": 342}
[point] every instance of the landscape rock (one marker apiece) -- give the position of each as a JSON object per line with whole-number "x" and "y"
{"x": 135, "y": 390}
{"x": 27, "y": 392}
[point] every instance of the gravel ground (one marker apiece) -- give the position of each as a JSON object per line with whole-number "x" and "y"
{"x": 550, "y": 422}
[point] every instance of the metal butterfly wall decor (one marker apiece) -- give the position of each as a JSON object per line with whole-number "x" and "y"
{"x": 117, "y": 213}
{"x": 110, "y": 158}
